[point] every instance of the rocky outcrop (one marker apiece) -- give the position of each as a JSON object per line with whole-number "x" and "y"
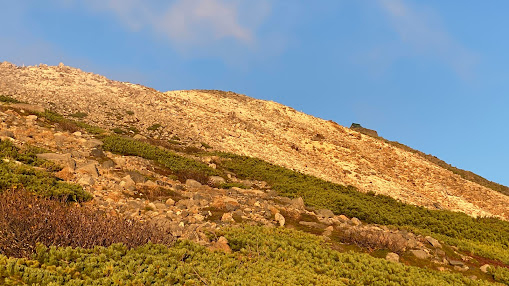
{"x": 370, "y": 132}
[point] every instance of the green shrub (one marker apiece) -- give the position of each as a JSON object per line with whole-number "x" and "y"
{"x": 183, "y": 167}
{"x": 79, "y": 115}
{"x": 119, "y": 131}
{"x": 500, "y": 274}
{"x": 261, "y": 256}
{"x": 154, "y": 127}
{"x": 373, "y": 208}
{"x": 40, "y": 182}
{"x": 27, "y": 156}
{"x": 8, "y": 99}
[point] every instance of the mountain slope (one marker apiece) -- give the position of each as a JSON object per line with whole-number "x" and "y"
{"x": 267, "y": 130}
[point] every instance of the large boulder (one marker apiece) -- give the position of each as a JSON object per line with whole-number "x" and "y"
{"x": 357, "y": 127}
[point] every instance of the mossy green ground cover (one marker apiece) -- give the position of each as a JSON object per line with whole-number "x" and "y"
{"x": 261, "y": 256}
{"x": 38, "y": 181}
{"x": 487, "y": 237}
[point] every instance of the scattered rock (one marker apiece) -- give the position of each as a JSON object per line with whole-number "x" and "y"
{"x": 280, "y": 219}
{"x": 151, "y": 206}
{"x": 325, "y": 213}
{"x": 328, "y": 231}
{"x": 137, "y": 177}
{"x": 97, "y": 152}
{"x": 90, "y": 168}
{"x": 86, "y": 180}
{"x": 93, "y": 143}
{"x": 128, "y": 183}
{"x": 193, "y": 183}
{"x": 419, "y": 253}
{"x": 28, "y": 107}
{"x": 485, "y": 268}
{"x": 355, "y": 221}
{"x": 455, "y": 262}
{"x": 343, "y": 218}
{"x": 221, "y": 245}
{"x": 108, "y": 164}
{"x": 312, "y": 224}
{"x": 393, "y": 257}
{"x": 65, "y": 174}
{"x": 298, "y": 203}
{"x": 433, "y": 242}
{"x": 227, "y": 217}
{"x": 170, "y": 202}
{"x": 461, "y": 268}
{"x": 7, "y": 133}
{"x": 216, "y": 180}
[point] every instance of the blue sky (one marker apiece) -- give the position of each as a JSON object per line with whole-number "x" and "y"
{"x": 430, "y": 74}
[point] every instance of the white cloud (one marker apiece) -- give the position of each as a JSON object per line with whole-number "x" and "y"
{"x": 421, "y": 30}
{"x": 188, "y": 22}
{"x": 198, "y": 21}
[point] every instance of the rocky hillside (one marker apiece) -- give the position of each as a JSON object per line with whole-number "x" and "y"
{"x": 263, "y": 129}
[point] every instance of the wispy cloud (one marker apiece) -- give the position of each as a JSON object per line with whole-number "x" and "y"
{"x": 188, "y": 23}
{"x": 421, "y": 30}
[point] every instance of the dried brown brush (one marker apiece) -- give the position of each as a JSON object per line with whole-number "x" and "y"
{"x": 372, "y": 239}
{"x": 26, "y": 220}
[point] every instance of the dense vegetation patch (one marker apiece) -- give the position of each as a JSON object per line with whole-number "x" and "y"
{"x": 37, "y": 181}
{"x": 68, "y": 124}
{"x": 485, "y": 236}
{"x": 26, "y": 220}
{"x": 184, "y": 168}
{"x": 261, "y": 256}
{"x": 8, "y": 99}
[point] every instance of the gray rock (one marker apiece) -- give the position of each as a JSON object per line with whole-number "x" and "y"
{"x": 193, "y": 183}
{"x": 86, "y": 180}
{"x": 328, "y": 231}
{"x": 90, "y": 168}
{"x": 485, "y": 268}
{"x": 93, "y": 143}
{"x": 160, "y": 206}
{"x": 28, "y": 107}
{"x": 216, "y": 180}
{"x": 325, "y": 213}
{"x": 185, "y": 203}
{"x": 170, "y": 202}
{"x": 54, "y": 156}
{"x": 355, "y": 221}
{"x": 97, "y": 152}
{"x": 128, "y": 183}
{"x": 419, "y": 253}
{"x": 455, "y": 262}
{"x": 312, "y": 224}
{"x": 137, "y": 177}
{"x": 433, "y": 242}
{"x": 461, "y": 268}
{"x": 7, "y": 133}
{"x": 280, "y": 219}
{"x": 298, "y": 203}
{"x": 393, "y": 257}
{"x": 108, "y": 164}
{"x": 227, "y": 217}
{"x": 151, "y": 206}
